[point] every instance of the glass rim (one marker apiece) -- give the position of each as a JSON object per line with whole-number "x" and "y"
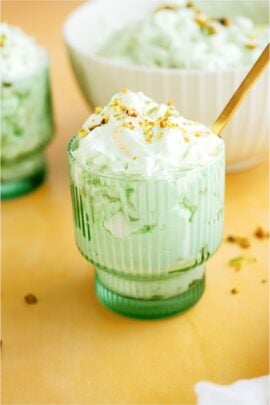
{"x": 138, "y": 178}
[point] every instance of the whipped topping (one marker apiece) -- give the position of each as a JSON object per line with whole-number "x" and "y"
{"x": 20, "y": 55}
{"x": 134, "y": 135}
{"x": 183, "y": 36}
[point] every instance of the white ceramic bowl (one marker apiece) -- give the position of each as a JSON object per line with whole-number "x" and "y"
{"x": 198, "y": 94}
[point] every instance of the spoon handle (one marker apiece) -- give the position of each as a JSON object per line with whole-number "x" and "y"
{"x": 242, "y": 91}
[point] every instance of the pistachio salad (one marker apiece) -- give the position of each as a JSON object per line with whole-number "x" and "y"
{"x": 26, "y": 116}
{"x": 181, "y": 35}
{"x": 147, "y": 189}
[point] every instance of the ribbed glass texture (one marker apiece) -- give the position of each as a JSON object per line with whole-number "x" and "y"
{"x": 148, "y": 238}
{"x": 26, "y": 128}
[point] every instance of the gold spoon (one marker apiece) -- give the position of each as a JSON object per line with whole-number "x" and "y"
{"x": 242, "y": 91}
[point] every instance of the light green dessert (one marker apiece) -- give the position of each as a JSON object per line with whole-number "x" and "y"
{"x": 26, "y": 116}
{"x": 147, "y": 189}
{"x": 181, "y": 35}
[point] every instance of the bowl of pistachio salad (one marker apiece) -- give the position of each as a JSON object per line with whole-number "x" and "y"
{"x": 147, "y": 189}
{"x": 26, "y": 115}
{"x": 197, "y": 53}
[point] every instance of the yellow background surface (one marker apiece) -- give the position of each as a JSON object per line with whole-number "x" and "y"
{"x": 68, "y": 349}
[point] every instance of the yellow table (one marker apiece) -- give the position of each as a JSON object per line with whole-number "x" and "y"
{"x": 68, "y": 349}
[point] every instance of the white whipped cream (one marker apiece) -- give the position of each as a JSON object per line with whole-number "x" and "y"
{"x": 182, "y": 36}
{"x": 134, "y": 135}
{"x": 20, "y": 55}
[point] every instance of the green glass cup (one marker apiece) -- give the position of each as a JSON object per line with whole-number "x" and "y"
{"x": 26, "y": 129}
{"x": 148, "y": 238}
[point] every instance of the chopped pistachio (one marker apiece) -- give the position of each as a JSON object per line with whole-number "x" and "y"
{"x": 167, "y": 7}
{"x": 153, "y": 110}
{"x": 224, "y": 21}
{"x": 239, "y": 240}
{"x": 260, "y": 233}
{"x": 82, "y": 132}
{"x": 3, "y": 39}
{"x": 30, "y": 299}
{"x": 131, "y": 112}
{"x": 201, "y": 21}
{"x": 170, "y": 102}
{"x": 211, "y": 30}
{"x": 251, "y": 45}
{"x": 98, "y": 110}
{"x": 162, "y": 124}
{"x": 128, "y": 125}
{"x": 238, "y": 262}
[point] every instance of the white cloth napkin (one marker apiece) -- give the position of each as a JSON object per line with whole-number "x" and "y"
{"x": 244, "y": 392}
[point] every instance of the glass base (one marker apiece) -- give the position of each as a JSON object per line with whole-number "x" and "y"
{"x": 16, "y": 188}
{"x": 149, "y": 309}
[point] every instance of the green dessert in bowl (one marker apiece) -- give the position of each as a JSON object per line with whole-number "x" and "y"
{"x": 26, "y": 115}
{"x": 147, "y": 189}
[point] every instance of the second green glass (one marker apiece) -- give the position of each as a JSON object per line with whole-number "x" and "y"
{"x": 27, "y": 127}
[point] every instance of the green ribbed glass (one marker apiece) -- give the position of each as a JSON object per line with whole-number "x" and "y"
{"x": 26, "y": 129}
{"x": 148, "y": 238}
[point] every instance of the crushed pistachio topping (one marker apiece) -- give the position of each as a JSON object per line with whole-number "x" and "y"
{"x": 185, "y": 36}
{"x": 137, "y": 134}
{"x": 148, "y": 120}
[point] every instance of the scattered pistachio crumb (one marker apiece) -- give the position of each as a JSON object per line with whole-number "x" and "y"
{"x": 238, "y": 262}
{"x": 30, "y": 299}
{"x": 260, "y": 233}
{"x": 170, "y": 102}
{"x": 239, "y": 240}
{"x": 124, "y": 90}
{"x": 197, "y": 134}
